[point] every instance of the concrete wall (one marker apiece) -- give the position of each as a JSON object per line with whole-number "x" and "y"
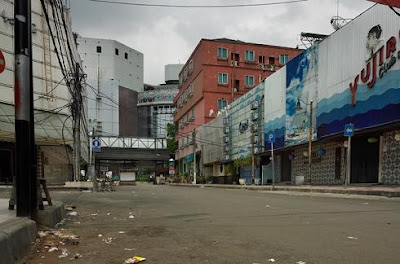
{"x": 106, "y": 72}
{"x": 128, "y": 114}
{"x": 322, "y": 169}
{"x": 390, "y": 158}
{"x": 57, "y": 169}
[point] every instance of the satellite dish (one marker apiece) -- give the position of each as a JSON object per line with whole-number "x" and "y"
{"x": 338, "y": 22}
{"x": 211, "y": 113}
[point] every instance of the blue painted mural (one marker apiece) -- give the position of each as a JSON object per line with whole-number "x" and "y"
{"x": 301, "y": 87}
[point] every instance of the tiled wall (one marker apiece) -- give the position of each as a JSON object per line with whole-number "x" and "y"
{"x": 322, "y": 169}
{"x": 390, "y": 162}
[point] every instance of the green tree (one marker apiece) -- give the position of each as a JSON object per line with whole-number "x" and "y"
{"x": 172, "y": 144}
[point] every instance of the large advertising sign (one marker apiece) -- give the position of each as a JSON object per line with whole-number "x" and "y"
{"x": 360, "y": 74}
{"x": 352, "y": 76}
{"x": 301, "y": 87}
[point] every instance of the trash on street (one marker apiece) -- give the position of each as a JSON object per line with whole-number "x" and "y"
{"x": 135, "y": 259}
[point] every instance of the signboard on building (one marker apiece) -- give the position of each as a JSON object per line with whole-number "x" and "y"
{"x": 2, "y": 62}
{"x": 301, "y": 88}
{"x": 96, "y": 145}
{"x": 359, "y": 80}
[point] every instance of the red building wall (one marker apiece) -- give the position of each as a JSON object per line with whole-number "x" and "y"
{"x": 204, "y": 78}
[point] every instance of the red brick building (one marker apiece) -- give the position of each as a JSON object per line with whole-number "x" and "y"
{"x": 218, "y": 72}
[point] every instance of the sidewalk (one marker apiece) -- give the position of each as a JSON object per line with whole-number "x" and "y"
{"x": 378, "y": 190}
{"x": 16, "y": 234}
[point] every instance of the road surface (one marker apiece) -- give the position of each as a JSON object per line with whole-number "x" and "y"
{"x": 204, "y": 225}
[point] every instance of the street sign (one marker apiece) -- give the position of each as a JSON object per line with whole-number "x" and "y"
{"x": 349, "y": 130}
{"x": 271, "y": 138}
{"x": 96, "y": 145}
{"x": 2, "y": 62}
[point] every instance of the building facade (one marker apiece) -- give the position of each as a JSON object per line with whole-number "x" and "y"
{"x": 155, "y": 105}
{"x": 351, "y": 77}
{"x": 114, "y": 79}
{"x": 52, "y": 115}
{"x": 217, "y": 73}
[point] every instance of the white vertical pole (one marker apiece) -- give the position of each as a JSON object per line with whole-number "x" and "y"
{"x": 348, "y": 169}
{"x": 273, "y": 165}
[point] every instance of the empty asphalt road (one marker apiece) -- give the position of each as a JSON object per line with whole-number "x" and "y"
{"x": 204, "y": 225}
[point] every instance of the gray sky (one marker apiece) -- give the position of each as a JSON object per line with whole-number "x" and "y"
{"x": 169, "y": 35}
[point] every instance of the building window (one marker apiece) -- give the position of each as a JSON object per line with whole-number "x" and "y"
{"x": 283, "y": 59}
{"x": 98, "y": 48}
{"x": 222, "y": 78}
{"x": 249, "y": 55}
{"x": 190, "y": 67}
{"x": 222, "y": 103}
{"x": 261, "y": 59}
{"x": 180, "y": 80}
{"x": 222, "y": 53}
{"x": 192, "y": 117}
{"x": 116, "y": 52}
{"x": 249, "y": 80}
{"x": 126, "y": 55}
{"x": 271, "y": 60}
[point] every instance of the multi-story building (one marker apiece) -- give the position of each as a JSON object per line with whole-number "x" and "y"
{"x": 53, "y": 122}
{"x": 114, "y": 79}
{"x": 218, "y": 72}
{"x": 328, "y": 119}
{"x": 155, "y": 105}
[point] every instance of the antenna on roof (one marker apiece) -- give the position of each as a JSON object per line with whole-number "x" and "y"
{"x": 337, "y": 21}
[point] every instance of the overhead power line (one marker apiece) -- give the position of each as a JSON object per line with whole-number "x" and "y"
{"x": 199, "y": 6}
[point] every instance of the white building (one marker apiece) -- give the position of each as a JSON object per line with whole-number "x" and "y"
{"x": 53, "y": 122}
{"x": 172, "y": 72}
{"x": 114, "y": 77}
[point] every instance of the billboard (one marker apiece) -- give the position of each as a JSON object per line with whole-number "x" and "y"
{"x": 352, "y": 76}
{"x": 275, "y": 109}
{"x": 301, "y": 88}
{"x": 359, "y": 74}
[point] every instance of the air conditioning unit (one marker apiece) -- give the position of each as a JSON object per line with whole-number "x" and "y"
{"x": 227, "y": 157}
{"x": 255, "y": 140}
{"x": 226, "y": 130}
{"x": 254, "y": 116}
{"x": 226, "y": 139}
{"x": 256, "y": 150}
{"x": 232, "y": 63}
{"x": 254, "y": 127}
{"x": 191, "y": 118}
{"x": 235, "y": 90}
{"x": 254, "y": 105}
{"x": 226, "y": 149}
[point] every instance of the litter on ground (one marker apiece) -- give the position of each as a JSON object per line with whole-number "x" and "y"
{"x": 352, "y": 238}
{"x": 53, "y": 249}
{"x": 64, "y": 253}
{"x": 131, "y": 217}
{"x": 271, "y": 260}
{"x": 74, "y": 213}
{"x": 135, "y": 259}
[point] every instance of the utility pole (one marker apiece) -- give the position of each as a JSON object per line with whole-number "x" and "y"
{"x": 310, "y": 138}
{"x": 194, "y": 156}
{"x": 76, "y": 108}
{"x": 252, "y": 158}
{"x": 26, "y": 181}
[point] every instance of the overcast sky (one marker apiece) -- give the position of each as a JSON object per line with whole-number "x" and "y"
{"x": 169, "y": 35}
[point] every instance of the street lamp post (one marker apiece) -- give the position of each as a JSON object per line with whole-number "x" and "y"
{"x": 310, "y": 135}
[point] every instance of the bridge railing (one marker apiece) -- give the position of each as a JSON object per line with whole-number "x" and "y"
{"x": 133, "y": 143}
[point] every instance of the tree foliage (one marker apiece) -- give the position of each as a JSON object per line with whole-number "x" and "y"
{"x": 172, "y": 144}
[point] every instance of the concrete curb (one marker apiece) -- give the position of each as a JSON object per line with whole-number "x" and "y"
{"x": 51, "y": 215}
{"x": 316, "y": 189}
{"x": 16, "y": 236}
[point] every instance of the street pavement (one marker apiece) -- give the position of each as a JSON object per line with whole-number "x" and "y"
{"x": 167, "y": 224}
